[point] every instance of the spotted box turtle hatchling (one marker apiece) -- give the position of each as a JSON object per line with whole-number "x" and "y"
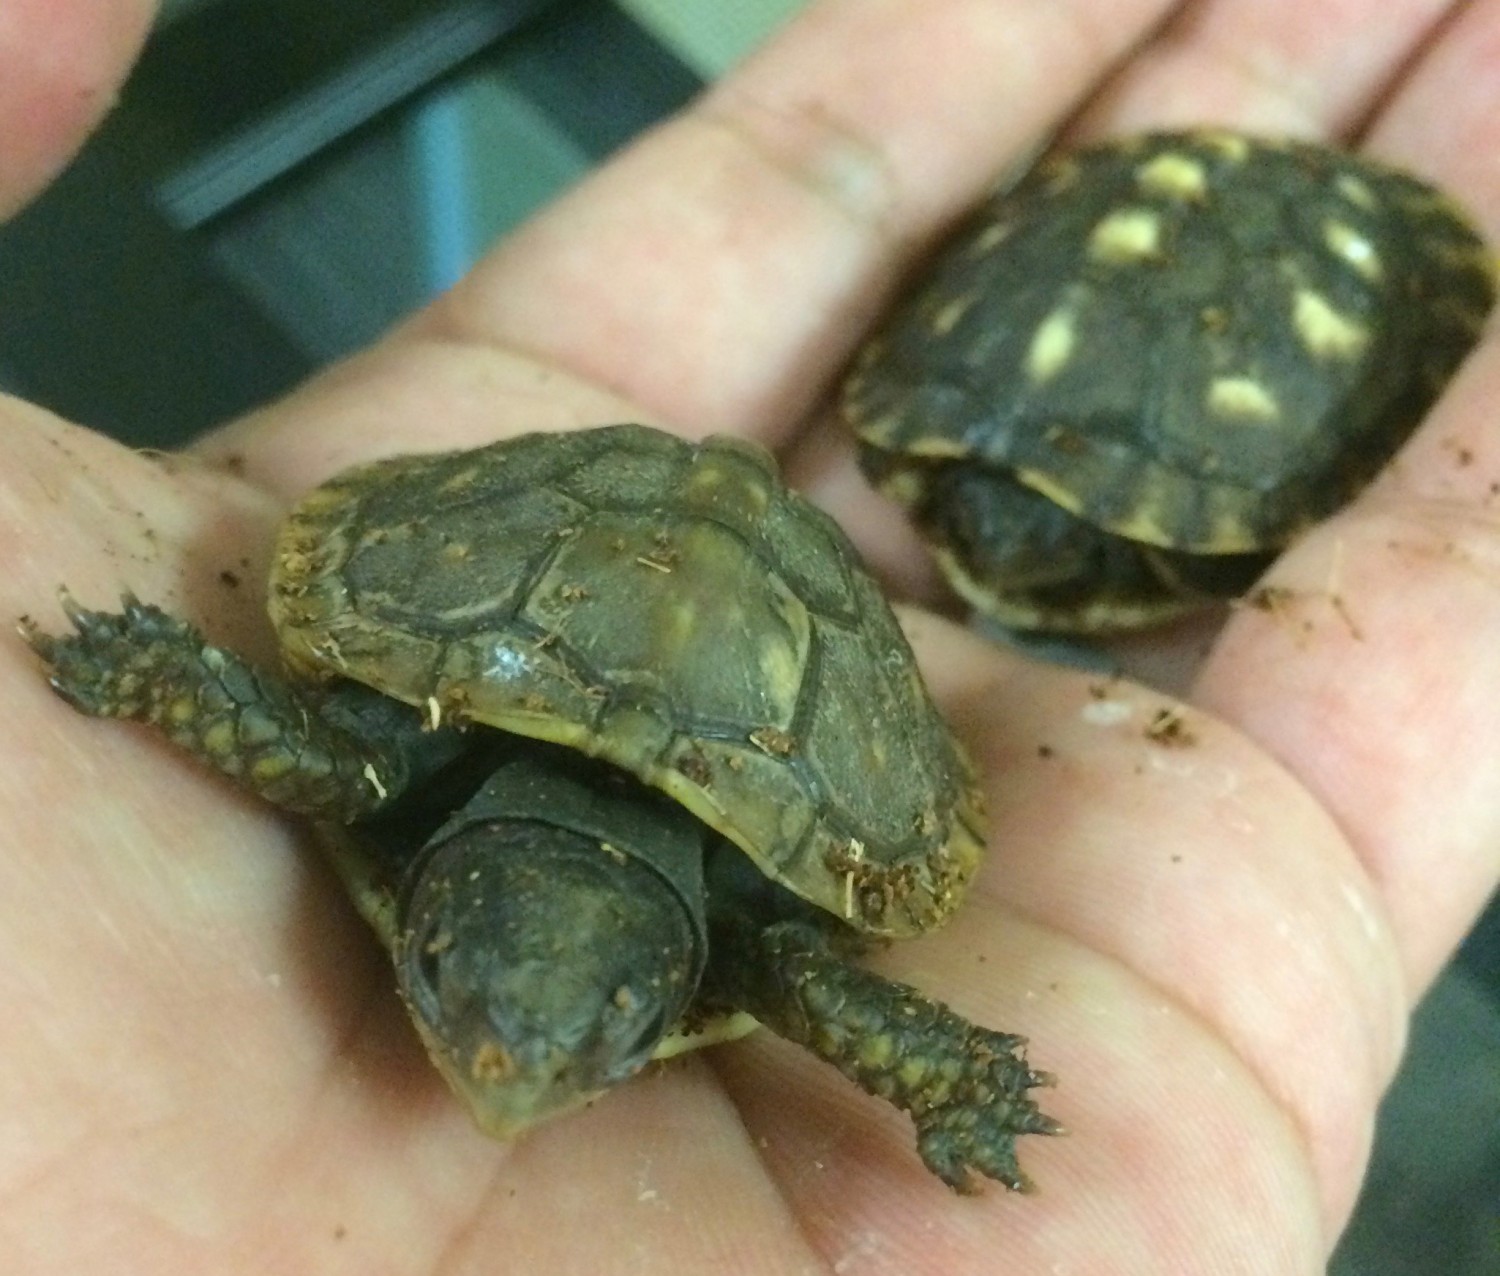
{"x": 1124, "y": 385}
{"x": 620, "y": 750}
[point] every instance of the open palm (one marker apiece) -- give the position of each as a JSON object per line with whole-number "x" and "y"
{"x": 1214, "y": 937}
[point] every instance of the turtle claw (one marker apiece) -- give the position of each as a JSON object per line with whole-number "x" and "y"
{"x": 958, "y": 1140}
{"x": 964, "y": 1086}
{"x": 953, "y": 1155}
{"x": 98, "y": 668}
{"x": 972, "y": 1125}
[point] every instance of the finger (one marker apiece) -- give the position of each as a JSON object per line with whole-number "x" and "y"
{"x": 1374, "y": 680}
{"x": 714, "y": 274}
{"x": 1276, "y": 67}
{"x": 1441, "y": 116}
{"x": 81, "y": 510}
{"x": 1385, "y": 711}
{"x": 64, "y": 61}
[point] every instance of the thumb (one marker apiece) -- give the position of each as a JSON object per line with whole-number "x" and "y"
{"x": 64, "y": 62}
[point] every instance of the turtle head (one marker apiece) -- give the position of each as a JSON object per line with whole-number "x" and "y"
{"x": 1004, "y": 535}
{"x": 541, "y": 967}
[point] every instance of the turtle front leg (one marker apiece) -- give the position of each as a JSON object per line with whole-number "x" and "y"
{"x": 331, "y": 758}
{"x": 964, "y": 1086}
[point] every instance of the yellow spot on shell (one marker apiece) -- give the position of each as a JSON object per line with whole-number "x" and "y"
{"x": 1353, "y": 249}
{"x": 934, "y": 447}
{"x": 1173, "y": 175}
{"x": 1059, "y": 174}
{"x": 1051, "y": 346}
{"x": 1325, "y": 332}
{"x": 1143, "y": 525}
{"x": 990, "y": 238}
{"x": 948, "y": 315}
{"x": 1242, "y": 399}
{"x": 1231, "y": 146}
{"x": 1129, "y": 235}
{"x": 1355, "y": 190}
{"x": 904, "y": 486}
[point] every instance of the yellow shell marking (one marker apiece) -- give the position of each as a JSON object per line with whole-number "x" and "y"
{"x": 1325, "y": 332}
{"x": 1242, "y": 399}
{"x": 1173, "y": 176}
{"x": 1357, "y": 192}
{"x": 1354, "y": 249}
{"x": 905, "y": 487}
{"x": 1129, "y": 235}
{"x": 1051, "y": 346}
{"x": 990, "y": 238}
{"x": 947, "y": 316}
{"x": 1060, "y": 173}
{"x": 1231, "y": 146}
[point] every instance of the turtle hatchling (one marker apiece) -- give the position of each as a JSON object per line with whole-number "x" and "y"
{"x": 620, "y": 750}
{"x": 1123, "y": 386}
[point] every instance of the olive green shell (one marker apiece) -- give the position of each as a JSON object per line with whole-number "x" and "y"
{"x": 671, "y": 608}
{"x": 1200, "y": 341}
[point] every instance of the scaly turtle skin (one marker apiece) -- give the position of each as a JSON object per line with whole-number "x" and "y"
{"x": 1125, "y": 384}
{"x": 617, "y": 745}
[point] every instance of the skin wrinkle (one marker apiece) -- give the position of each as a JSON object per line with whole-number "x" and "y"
{"x": 1432, "y": 128}
{"x": 841, "y": 168}
{"x": 1212, "y": 1048}
{"x": 1445, "y": 16}
{"x": 444, "y": 324}
{"x": 1260, "y": 74}
{"x": 876, "y": 198}
{"x": 1040, "y": 43}
{"x": 1326, "y": 101}
{"x": 1402, "y": 513}
{"x": 785, "y": 1193}
{"x": 452, "y": 1256}
{"x": 376, "y": 1020}
{"x": 1266, "y": 79}
{"x": 842, "y": 171}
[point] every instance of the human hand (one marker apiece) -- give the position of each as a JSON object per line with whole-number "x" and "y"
{"x": 1215, "y": 945}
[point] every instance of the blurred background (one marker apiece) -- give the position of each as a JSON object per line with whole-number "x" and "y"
{"x": 283, "y": 180}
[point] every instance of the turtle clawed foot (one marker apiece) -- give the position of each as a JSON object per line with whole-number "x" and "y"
{"x": 976, "y": 1130}
{"x": 953, "y": 1156}
{"x": 103, "y": 668}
